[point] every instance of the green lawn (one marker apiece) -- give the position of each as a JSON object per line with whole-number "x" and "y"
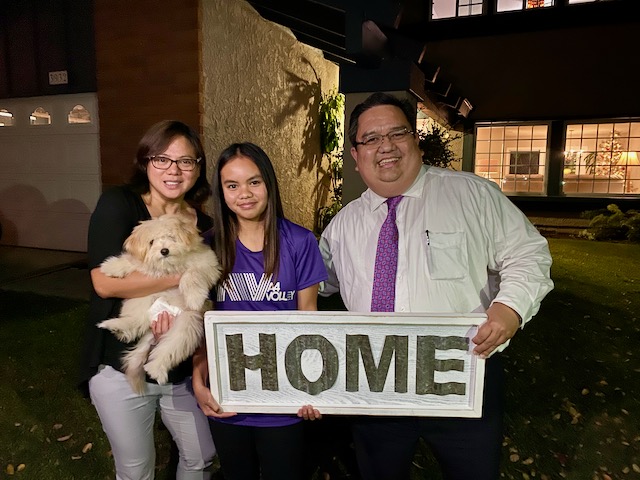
{"x": 48, "y": 431}
{"x": 572, "y": 394}
{"x": 574, "y": 372}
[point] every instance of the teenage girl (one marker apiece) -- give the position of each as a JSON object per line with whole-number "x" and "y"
{"x": 252, "y": 237}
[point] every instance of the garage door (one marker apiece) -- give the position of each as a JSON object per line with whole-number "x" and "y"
{"x": 50, "y": 170}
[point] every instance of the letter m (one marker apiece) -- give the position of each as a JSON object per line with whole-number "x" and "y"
{"x": 358, "y": 346}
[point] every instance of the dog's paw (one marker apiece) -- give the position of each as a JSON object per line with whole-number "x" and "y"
{"x": 157, "y": 371}
{"x": 117, "y": 267}
{"x": 194, "y": 300}
{"x": 108, "y": 325}
{"x": 113, "y": 326}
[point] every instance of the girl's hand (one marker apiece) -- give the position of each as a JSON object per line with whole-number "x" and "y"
{"x": 309, "y": 413}
{"x": 162, "y": 324}
{"x": 208, "y": 404}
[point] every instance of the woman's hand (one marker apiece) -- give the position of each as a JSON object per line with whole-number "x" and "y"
{"x": 209, "y": 406}
{"x": 309, "y": 413}
{"x": 162, "y": 324}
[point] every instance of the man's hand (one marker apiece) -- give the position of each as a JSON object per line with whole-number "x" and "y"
{"x": 502, "y": 323}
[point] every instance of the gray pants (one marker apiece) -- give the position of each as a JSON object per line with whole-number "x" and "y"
{"x": 128, "y": 418}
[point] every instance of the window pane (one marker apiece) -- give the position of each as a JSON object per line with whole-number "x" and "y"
{"x": 40, "y": 117}
{"x": 443, "y": 9}
{"x": 497, "y": 133}
{"x": 540, "y": 132}
{"x": 482, "y": 146}
{"x": 79, "y": 114}
{"x": 483, "y": 134}
{"x": 511, "y": 133}
{"x": 517, "y": 156}
{"x": 6, "y": 118}
{"x": 512, "y": 5}
{"x": 604, "y": 163}
{"x": 539, "y": 3}
{"x": 590, "y": 131}
{"x": 509, "y": 5}
{"x": 447, "y": 8}
{"x": 469, "y": 7}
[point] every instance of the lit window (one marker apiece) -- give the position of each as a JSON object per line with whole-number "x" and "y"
{"x": 511, "y": 5}
{"x": 513, "y": 155}
{"x": 40, "y": 117}
{"x": 79, "y": 114}
{"x": 469, "y": 7}
{"x": 602, "y": 158}
{"x": 6, "y": 118}
{"x": 455, "y": 8}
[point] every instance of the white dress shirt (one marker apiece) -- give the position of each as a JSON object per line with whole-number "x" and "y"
{"x": 462, "y": 245}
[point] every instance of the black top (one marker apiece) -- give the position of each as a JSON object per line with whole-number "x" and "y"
{"x": 118, "y": 211}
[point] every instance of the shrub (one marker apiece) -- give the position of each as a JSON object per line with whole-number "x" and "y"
{"x": 612, "y": 224}
{"x": 435, "y": 143}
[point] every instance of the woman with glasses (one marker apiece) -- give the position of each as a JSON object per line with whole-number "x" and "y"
{"x": 169, "y": 177}
{"x": 253, "y": 240}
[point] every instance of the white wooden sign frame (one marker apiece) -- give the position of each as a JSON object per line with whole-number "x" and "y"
{"x": 303, "y": 348}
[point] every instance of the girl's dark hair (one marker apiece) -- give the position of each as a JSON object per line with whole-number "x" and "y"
{"x": 374, "y": 100}
{"x": 225, "y": 221}
{"x": 154, "y": 142}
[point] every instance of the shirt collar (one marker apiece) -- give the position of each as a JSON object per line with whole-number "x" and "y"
{"x": 415, "y": 190}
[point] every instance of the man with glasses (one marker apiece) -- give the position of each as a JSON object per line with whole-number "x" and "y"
{"x": 443, "y": 242}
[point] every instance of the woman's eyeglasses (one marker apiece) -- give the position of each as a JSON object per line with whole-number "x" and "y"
{"x": 186, "y": 164}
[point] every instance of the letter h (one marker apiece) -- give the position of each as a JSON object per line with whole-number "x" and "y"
{"x": 266, "y": 361}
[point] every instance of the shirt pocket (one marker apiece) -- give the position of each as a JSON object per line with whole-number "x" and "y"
{"x": 446, "y": 255}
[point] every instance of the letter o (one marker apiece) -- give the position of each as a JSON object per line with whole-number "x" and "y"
{"x": 293, "y": 363}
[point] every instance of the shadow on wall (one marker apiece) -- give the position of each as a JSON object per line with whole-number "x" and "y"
{"x": 28, "y": 220}
{"x": 303, "y": 94}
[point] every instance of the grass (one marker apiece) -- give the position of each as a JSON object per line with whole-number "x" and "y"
{"x": 48, "y": 430}
{"x": 573, "y": 383}
{"x": 573, "y": 373}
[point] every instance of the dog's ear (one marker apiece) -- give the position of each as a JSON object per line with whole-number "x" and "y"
{"x": 188, "y": 233}
{"x": 137, "y": 244}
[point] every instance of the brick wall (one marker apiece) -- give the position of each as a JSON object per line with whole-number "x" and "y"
{"x": 147, "y": 55}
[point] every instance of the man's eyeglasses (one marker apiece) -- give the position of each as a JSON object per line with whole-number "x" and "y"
{"x": 394, "y": 136}
{"x": 186, "y": 164}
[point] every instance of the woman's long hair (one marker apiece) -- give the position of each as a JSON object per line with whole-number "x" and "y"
{"x": 225, "y": 221}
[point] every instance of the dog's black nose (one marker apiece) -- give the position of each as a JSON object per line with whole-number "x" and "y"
{"x": 164, "y": 252}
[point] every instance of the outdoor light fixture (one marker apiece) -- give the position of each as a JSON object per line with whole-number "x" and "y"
{"x": 464, "y": 107}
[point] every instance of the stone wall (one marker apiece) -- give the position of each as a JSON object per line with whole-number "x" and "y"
{"x": 261, "y": 85}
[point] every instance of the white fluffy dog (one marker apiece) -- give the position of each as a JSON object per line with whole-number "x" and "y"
{"x": 167, "y": 245}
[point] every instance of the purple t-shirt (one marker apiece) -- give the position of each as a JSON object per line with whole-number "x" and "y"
{"x": 249, "y": 289}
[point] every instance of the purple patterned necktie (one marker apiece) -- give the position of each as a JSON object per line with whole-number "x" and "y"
{"x": 383, "y": 295}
